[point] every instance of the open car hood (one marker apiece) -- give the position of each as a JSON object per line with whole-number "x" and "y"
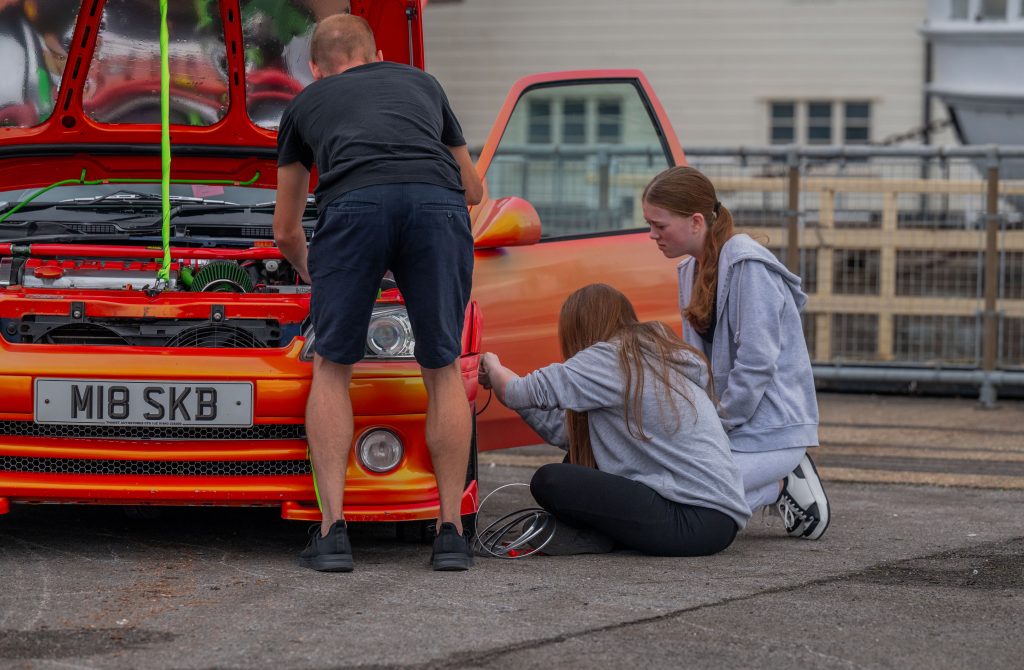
{"x": 82, "y": 92}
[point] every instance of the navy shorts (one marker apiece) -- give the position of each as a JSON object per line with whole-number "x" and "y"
{"x": 421, "y": 233}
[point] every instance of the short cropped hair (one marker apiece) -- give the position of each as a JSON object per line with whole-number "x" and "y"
{"x": 340, "y": 39}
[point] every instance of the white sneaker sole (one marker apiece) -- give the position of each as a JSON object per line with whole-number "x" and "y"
{"x": 824, "y": 511}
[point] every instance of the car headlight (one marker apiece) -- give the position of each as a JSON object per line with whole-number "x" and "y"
{"x": 389, "y": 335}
{"x": 380, "y": 450}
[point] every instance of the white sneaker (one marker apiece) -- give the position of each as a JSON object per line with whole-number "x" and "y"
{"x": 803, "y": 503}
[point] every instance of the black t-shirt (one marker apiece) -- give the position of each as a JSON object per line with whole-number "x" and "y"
{"x": 378, "y": 123}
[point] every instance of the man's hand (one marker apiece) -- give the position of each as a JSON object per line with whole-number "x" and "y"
{"x": 292, "y": 189}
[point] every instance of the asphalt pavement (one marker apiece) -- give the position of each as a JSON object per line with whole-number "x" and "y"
{"x": 922, "y": 567}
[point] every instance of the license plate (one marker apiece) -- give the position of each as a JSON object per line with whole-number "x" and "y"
{"x": 143, "y": 403}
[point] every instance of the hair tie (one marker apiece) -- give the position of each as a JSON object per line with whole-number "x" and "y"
{"x": 718, "y": 207}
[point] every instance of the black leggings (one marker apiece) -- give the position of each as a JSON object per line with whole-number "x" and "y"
{"x": 629, "y": 512}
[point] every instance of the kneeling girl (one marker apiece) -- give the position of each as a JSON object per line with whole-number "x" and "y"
{"x": 649, "y": 464}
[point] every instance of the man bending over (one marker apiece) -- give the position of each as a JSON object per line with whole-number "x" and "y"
{"x": 394, "y": 181}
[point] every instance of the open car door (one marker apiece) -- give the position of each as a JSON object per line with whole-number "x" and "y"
{"x": 579, "y": 147}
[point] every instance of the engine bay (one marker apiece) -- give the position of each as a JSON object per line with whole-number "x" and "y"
{"x": 270, "y": 275}
{"x": 240, "y": 298}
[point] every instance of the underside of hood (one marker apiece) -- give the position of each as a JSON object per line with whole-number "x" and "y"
{"x": 81, "y": 85}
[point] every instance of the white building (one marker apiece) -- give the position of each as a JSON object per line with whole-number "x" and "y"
{"x": 729, "y": 72}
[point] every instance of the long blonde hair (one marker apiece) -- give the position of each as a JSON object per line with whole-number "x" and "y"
{"x": 685, "y": 191}
{"x": 600, "y": 313}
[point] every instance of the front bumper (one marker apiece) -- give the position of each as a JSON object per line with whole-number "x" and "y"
{"x": 264, "y": 466}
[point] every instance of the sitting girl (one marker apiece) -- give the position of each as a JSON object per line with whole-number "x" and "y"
{"x": 649, "y": 465}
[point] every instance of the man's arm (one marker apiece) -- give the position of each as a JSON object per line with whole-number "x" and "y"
{"x": 292, "y": 190}
{"x": 470, "y": 179}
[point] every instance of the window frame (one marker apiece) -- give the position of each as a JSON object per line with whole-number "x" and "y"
{"x": 568, "y": 85}
{"x": 856, "y": 122}
{"x": 546, "y": 119}
{"x": 580, "y": 119}
{"x": 815, "y": 122}
{"x": 802, "y": 124}
{"x": 773, "y": 119}
{"x": 601, "y": 119}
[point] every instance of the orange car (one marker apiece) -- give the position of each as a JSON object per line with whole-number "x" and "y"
{"x": 117, "y": 388}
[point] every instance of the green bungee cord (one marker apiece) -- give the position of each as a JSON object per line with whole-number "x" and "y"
{"x": 164, "y": 275}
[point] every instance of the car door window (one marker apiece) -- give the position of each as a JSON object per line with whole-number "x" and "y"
{"x": 581, "y": 154}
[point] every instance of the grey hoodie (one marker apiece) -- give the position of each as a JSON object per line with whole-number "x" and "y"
{"x": 758, "y": 355}
{"x": 687, "y": 458}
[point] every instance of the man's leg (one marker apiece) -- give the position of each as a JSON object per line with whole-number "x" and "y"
{"x": 449, "y": 431}
{"x": 329, "y": 431}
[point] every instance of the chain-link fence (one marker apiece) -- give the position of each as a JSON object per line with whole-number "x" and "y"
{"x": 912, "y": 257}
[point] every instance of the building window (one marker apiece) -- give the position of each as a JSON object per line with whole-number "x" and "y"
{"x": 539, "y": 130}
{"x": 609, "y": 122}
{"x": 819, "y": 123}
{"x": 960, "y": 9}
{"x": 574, "y": 121}
{"x": 993, "y": 10}
{"x": 857, "y": 122}
{"x": 783, "y": 128}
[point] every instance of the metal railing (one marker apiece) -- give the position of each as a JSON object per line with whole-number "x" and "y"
{"x": 913, "y": 257}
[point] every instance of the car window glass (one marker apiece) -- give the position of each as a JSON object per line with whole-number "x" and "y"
{"x": 581, "y": 154}
{"x": 34, "y": 39}
{"x": 124, "y": 78}
{"x": 276, "y": 34}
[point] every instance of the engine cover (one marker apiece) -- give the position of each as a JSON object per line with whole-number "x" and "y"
{"x": 102, "y": 275}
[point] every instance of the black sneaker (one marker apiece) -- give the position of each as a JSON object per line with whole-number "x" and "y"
{"x": 803, "y": 504}
{"x": 332, "y": 553}
{"x": 451, "y": 550}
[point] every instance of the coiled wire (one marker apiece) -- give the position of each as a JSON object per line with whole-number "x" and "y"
{"x": 507, "y": 536}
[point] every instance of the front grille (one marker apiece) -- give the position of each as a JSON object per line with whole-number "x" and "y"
{"x": 82, "y": 333}
{"x": 144, "y": 332}
{"x": 273, "y": 431}
{"x": 84, "y": 466}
